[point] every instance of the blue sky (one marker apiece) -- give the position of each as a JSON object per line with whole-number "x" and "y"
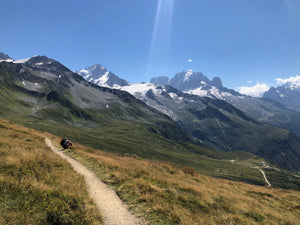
{"x": 241, "y": 41}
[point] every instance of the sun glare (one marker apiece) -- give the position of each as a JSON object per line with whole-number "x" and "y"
{"x": 161, "y": 36}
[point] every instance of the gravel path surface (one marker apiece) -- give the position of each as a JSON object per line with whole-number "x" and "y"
{"x": 111, "y": 207}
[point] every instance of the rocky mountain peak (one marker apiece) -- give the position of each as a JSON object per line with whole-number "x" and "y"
{"x": 217, "y": 82}
{"x": 188, "y": 80}
{"x": 102, "y": 77}
{"x": 4, "y": 56}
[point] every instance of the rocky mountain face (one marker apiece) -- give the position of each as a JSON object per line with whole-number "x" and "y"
{"x": 187, "y": 81}
{"x": 100, "y": 76}
{"x": 4, "y": 56}
{"x": 265, "y": 109}
{"x": 287, "y": 94}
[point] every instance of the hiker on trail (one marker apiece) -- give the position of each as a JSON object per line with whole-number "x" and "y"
{"x": 66, "y": 143}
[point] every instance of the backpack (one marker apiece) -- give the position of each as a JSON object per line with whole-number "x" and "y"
{"x": 62, "y": 142}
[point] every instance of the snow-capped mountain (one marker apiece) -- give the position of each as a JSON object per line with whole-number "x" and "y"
{"x": 6, "y": 58}
{"x": 288, "y": 94}
{"x": 187, "y": 80}
{"x": 102, "y": 77}
{"x": 196, "y": 83}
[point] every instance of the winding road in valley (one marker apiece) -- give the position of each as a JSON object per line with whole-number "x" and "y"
{"x": 111, "y": 207}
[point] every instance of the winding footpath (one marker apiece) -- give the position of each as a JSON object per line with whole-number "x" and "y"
{"x": 111, "y": 207}
{"x": 264, "y": 175}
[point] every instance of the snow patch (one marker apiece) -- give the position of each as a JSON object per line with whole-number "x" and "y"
{"x": 173, "y": 95}
{"x": 6, "y": 60}
{"x": 22, "y": 60}
{"x": 116, "y": 86}
{"x": 197, "y": 91}
{"x": 87, "y": 76}
{"x": 39, "y": 64}
{"x": 102, "y": 80}
{"x": 187, "y": 75}
{"x": 83, "y": 71}
{"x": 215, "y": 92}
{"x": 142, "y": 88}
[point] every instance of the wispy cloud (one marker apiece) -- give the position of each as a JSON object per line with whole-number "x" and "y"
{"x": 292, "y": 82}
{"x": 249, "y": 81}
{"x": 190, "y": 60}
{"x": 255, "y": 91}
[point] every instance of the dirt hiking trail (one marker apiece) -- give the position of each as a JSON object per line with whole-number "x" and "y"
{"x": 265, "y": 177}
{"x": 112, "y": 209}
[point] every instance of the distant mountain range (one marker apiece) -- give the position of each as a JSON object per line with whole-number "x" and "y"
{"x": 287, "y": 94}
{"x": 266, "y": 110}
{"x": 214, "y": 116}
{"x": 188, "y": 80}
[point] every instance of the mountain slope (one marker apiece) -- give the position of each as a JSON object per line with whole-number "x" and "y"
{"x": 42, "y": 88}
{"x": 221, "y": 125}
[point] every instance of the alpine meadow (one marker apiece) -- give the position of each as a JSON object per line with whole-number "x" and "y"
{"x": 161, "y": 112}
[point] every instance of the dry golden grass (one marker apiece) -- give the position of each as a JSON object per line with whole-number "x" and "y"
{"x": 36, "y": 186}
{"x": 164, "y": 194}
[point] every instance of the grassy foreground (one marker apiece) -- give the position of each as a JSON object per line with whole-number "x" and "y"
{"x": 167, "y": 195}
{"x": 36, "y": 186}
